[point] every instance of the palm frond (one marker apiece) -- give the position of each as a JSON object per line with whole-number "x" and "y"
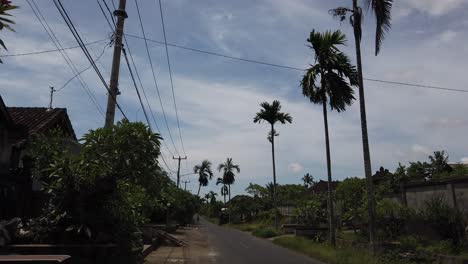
{"x": 382, "y": 11}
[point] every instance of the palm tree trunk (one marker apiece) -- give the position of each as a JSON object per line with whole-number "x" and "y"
{"x": 331, "y": 214}
{"x": 274, "y": 173}
{"x": 199, "y": 187}
{"x": 365, "y": 139}
{"x": 224, "y": 193}
{"x": 229, "y": 190}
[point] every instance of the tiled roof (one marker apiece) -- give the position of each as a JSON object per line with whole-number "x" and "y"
{"x": 322, "y": 186}
{"x": 40, "y": 119}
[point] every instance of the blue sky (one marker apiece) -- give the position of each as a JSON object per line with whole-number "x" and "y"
{"x": 218, "y": 97}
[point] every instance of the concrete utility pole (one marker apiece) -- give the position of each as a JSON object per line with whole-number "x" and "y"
{"x": 114, "y": 79}
{"x": 185, "y": 185}
{"x": 178, "y": 169}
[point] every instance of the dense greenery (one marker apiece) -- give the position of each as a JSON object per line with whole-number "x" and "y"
{"x": 108, "y": 190}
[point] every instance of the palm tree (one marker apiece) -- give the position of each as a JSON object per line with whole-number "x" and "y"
{"x": 228, "y": 169}
{"x": 204, "y": 174}
{"x": 382, "y": 12}
{"x": 211, "y": 197}
{"x": 5, "y": 22}
{"x": 308, "y": 180}
{"x": 329, "y": 82}
{"x": 224, "y": 188}
{"x": 272, "y": 114}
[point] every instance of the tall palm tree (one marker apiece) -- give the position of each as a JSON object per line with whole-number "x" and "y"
{"x": 382, "y": 13}
{"x": 329, "y": 82}
{"x": 204, "y": 174}
{"x": 272, "y": 114}
{"x": 228, "y": 168}
{"x": 308, "y": 180}
{"x": 224, "y": 188}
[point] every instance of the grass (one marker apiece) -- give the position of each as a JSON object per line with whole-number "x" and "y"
{"x": 265, "y": 232}
{"x": 331, "y": 255}
{"x": 246, "y": 227}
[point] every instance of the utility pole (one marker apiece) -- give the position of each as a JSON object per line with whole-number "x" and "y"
{"x": 178, "y": 168}
{"x": 52, "y": 90}
{"x": 185, "y": 185}
{"x": 114, "y": 79}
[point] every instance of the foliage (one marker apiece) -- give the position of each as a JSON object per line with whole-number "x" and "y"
{"x": 6, "y": 6}
{"x": 204, "y": 174}
{"x": 312, "y": 211}
{"x": 108, "y": 190}
{"x": 391, "y": 218}
{"x": 447, "y": 221}
{"x": 243, "y": 208}
{"x": 265, "y": 232}
{"x": 328, "y": 254}
{"x": 308, "y": 180}
{"x": 228, "y": 179}
{"x": 350, "y": 194}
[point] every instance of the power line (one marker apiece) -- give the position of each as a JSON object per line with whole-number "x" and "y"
{"x": 58, "y": 45}
{"x": 79, "y": 73}
{"x": 170, "y": 76}
{"x": 154, "y": 76}
{"x": 290, "y": 67}
{"x": 142, "y": 88}
{"x": 63, "y": 12}
{"x": 50, "y": 50}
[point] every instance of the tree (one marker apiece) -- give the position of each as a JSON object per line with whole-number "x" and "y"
{"x": 382, "y": 12}
{"x": 272, "y": 114}
{"x": 224, "y": 188}
{"x": 228, "y": 169}
{"x": 204, "y": 174}
{"x": 5, "y": 6}
{"x": 350, "y": 194}
{"x": 439, "y": 162}
{"x": 308, "y": 180}
{"x": 329, "y": 82}
{"x": 211, "y": 197}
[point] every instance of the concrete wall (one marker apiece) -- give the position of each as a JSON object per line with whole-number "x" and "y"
{"x": 416, "y": 197}
{"x": 455, "y": 193}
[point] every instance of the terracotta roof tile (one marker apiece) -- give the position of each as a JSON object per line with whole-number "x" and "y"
{"x": 39, "y": 119}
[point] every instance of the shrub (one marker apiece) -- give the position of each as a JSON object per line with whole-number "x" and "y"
{"x": 265, "y": 232}
{"x": 447, "y": 221}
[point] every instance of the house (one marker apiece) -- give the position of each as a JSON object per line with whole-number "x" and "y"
{"x": 17, "y": 126}
{"x": 322, "y": 186}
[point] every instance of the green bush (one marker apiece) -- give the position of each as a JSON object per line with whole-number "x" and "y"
{"x": 445, "y": 220}
{"x": 265, "y": 232}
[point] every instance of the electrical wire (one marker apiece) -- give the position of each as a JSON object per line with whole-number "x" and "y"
{"x": 50, "y": 50}
{"x": 154, "y": 77}
{"x": 58, "y": 45}
{"x": 290, "y": 67}
{"x": 63, "y": 12}
{"x": 170, "y": 77}
{"x": 79, "y": 73}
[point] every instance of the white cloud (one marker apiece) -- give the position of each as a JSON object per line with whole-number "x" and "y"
{"x": 435, "y": 7}
{"x": 447, "y": 36}
{"x": 464, "y": 160}
{"x": 295, "y": 167}
{"x": 422, "y": 150}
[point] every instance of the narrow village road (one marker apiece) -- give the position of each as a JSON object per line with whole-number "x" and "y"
{"x": 230, "y": 246}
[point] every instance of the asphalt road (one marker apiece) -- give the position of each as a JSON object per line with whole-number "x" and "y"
{"x": 230, "y": 246}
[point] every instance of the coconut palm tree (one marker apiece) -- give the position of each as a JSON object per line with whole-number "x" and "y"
{"x": 228, "y": 169}
{"x": 204, "y": 174}
{"x": 224, "y": 188}
{"x": 211, "y": 197}
{"x": 308, "y": 180}
{"x": 329, "y": 82}
{"x": 382, "y": 13}
{"x": 4, "y": 21}
{"x": 272, "y": 114}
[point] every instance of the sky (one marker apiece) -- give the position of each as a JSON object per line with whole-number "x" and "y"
{"x": 217, "y": 97}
